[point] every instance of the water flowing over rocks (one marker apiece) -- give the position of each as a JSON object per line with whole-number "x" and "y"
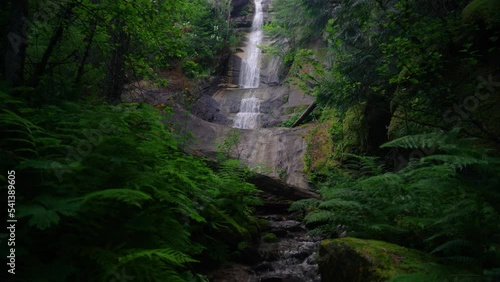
{"x": 276, "y": 103}
{"x": 250, "y": 67}
{"x": 249, "y": 115}
{"x": 283, "y": 251}
{"x": 275, "y": 152}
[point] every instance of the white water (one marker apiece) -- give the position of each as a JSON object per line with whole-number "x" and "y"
{"x": 250, "y": 65}
{"x": 248, "y": 116}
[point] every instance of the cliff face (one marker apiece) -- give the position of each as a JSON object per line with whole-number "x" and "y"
{"x": 270, "y": 150}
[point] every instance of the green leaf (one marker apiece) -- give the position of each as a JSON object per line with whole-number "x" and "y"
{"x": 167, "y": 255}
{"x": 132, "y": 197}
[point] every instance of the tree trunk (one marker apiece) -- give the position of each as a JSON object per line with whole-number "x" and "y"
{"x": 15, "y": 52}
{"x": 89, "y": 39}
{"x": 116, "y": 69}
{"x": 54, "y": 40}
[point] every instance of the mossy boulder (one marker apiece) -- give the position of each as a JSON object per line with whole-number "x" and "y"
{"x": 355, "y": 133}
{"x": 486, "y": 11}
{"x": 319, "y": 148}
{"x": 270, "y": 237}
{"x": 351, "y": 259}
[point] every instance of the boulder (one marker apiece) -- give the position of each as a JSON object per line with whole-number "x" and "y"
{"x": 358, "y": 260}
{"x": 208, "y": 109}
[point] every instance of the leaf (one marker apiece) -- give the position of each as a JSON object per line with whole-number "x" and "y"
{"x": 132, "y": 197}
{"x": 41, "y": 217}
{"x": 168, "y": 255}
{"x": 47, "y": 211}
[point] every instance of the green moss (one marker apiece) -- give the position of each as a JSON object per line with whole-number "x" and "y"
{"x": 270, "y": 237}
{"x": 319, "y": 148}
{"x": 352, "y": 259}
{"x": 262, "y": 223}
{"x": 354, "y": 130}
{"x": 389, "y": 259}
{"x": 293, "y": 110}
{"x": 487, "y": 11}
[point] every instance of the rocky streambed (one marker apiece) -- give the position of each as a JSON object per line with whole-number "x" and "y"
{"x": 283, "y": 251}
{"x": 288, "y": 253}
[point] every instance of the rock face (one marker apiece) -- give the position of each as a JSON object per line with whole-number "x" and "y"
{"x": 208, "y": 109}
{"x": 233, "y": 69}
{"x": 238, "y": 7}
{"x": 275, "y": 152}
{"x": 270, "y": 150}
{"x": 358, "y": 260}
{"x": 277, "y": 103}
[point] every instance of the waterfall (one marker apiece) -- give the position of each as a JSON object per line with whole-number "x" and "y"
{"x": 248, "y": 116}
{"x": 250, "y": 65}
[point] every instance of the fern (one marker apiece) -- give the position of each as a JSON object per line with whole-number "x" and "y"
{"x": 123, "y": 195}
{"x": 304, "y": 204}
{"x": 48, "y": 209}
{"x": 432, "y": 200}
{"x": 167, "y": 255}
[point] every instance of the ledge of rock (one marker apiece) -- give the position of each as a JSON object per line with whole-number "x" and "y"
{"x": 281, "y": 188}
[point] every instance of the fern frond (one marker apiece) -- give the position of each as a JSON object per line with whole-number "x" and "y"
{"x": 340, "y": 204}
{"x": 46, "y": 212}
{"x": 320, "y": 216}
{"x": 127, "y": 196}
{"x": 228, "y": 219}
{"x": 452, "y": 245}
{"x": 455, "y": 161}
{"x": 304, "y": 204}
{"x": 166, "y": 254}
{"x": 418, "y": 141}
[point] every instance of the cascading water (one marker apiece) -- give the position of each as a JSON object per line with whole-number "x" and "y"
{"x": 250, "y": 68}
{"x": 248, "y": 116}
{"x": 291, "y": 258}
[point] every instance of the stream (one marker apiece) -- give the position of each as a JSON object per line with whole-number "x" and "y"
{"x": 284, "y": 252}
{"x": 289, "y": 255}
{"x": 291, "y": 258}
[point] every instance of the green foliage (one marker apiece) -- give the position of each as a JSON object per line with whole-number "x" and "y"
{"x": 190, "y": 68}
{"x": 484, "y": 11}
{"x": 229, "y": 146}
{"x": 75, "y": 46}
{"x": 445, "y": 203}
{"x": 291, "y": 120}
{"x": 397, "y": 69}
{"x": 106, "y": 190}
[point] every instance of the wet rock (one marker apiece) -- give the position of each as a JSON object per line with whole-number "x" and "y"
{"x": 263, "y": 267}
{"x": 291, "y": 225}
{"x": 279, "y": 232}
{"x": 243, "y": 21}
{"x": 233, "y": 69}
{"x": 208, "y": 109}
{"x": 238, "y": 6}
{"x": 227, "y": 85}
{"x": 272, "y": 279}
{"x": 232, "y": 273}
{"x": 301, "y": 256}
{"x": 249, "y": 256}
